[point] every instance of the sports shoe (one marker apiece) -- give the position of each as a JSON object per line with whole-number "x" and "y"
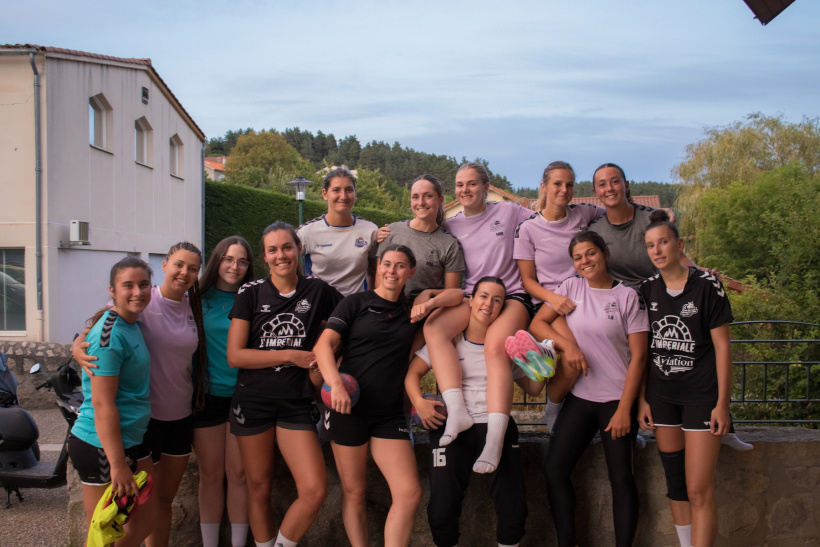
{"x": 536, "y": 359}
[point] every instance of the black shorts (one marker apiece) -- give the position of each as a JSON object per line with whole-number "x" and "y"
{"x": 92, "y": 464}
{"x": 214, "y": 413}
{"x": 172, "y": 438}
{"x": 687, "y": 417}
{"x": 356, "y": 428}
{"x": 451, "y": 468}
{"x": 525, "y": 299}
{"x": 252, "y": 414}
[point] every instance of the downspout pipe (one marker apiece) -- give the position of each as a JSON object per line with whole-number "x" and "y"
{"x": 202, "y": 165}
{"x": 38, "y": 180}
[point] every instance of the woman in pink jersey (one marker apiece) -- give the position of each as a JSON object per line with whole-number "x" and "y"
{"x": 485, "y": 231}
{"x": 172, "y": 327}
{"x": 610, "y": 326}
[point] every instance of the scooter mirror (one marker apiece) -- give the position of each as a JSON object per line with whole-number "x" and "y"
{"x": 35, "y": 368}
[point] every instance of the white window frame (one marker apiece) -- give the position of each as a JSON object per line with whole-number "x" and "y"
{"x": 100, "y": 120}
{"x": 176, "y": 156}
{"x": 143, "y": 142}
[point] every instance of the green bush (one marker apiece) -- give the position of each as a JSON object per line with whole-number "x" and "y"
{"x": 237, "y": 210}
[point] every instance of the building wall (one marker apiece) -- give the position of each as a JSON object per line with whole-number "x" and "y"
{"x": 131, "y": 207}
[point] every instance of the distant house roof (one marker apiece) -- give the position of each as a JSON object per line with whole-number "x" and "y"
{"x": 766, "y": 10}
{"x": 506, "y": 196}
{"x": 216, "y": 166}
{"x": 106, "y": 59}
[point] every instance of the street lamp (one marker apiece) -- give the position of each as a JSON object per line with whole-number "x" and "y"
{"x": 300, "y": 183}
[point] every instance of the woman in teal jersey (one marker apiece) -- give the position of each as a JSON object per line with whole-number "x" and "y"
{"x": 106, "y": 442}
{"x": 229, "y": 267}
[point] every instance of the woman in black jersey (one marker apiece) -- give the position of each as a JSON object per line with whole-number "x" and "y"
{"x": 275, "y": 322}
{"x": 376, "y": 336}
{"x": 686, "y": 397}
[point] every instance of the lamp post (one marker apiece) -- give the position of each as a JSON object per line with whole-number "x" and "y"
{"x": 300, "y": 183}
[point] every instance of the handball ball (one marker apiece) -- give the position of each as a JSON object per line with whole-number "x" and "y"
{"x": 351, "y": 386}
{"x": 441, "y": 408}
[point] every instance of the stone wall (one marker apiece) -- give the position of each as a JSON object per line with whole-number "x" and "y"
{"x": 767, "y": 497}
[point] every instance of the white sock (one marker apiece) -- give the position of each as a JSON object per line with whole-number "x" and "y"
{"x": 282, "y": 541}
{"x": 458, "y": 419}
{"x": 684, "y": 535}
{"x": 551, "y": 413}
{"x": 239, "y": 534}
{"x": 268, "y": 543}
{"x": 733, "y": 441}
{"x": 491, "y": 455}
{"x": 210, "y": 534}
{"x": 502, "y": 545}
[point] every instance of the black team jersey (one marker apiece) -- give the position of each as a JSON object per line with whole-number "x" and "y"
{"x": 682, "y": 367}
{"x": 280, "y": 323}
{"x": 376, "y": 340}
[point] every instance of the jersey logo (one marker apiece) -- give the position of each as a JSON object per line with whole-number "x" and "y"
{"x": 653, "y": 306}
{"x": 360, "y": 242}
{"x": 302, "y": 306}
{"x": 240, "y": 419}
{"x": 497, "y": 226}
{"x": 324, "y": 244}
{"x": 265, "y": 308}
{"x": 672, "y": 334}
{"x": 192, "y": 322}
{"x": 688, "y": 310}
{"x": 611, "y": 309}
{"x": 283, "y": 331}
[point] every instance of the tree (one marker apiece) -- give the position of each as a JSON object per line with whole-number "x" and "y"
{"x": 266, "y": 150}
{"x": 740, "y": 152}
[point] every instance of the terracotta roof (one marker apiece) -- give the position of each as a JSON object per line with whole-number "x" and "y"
{"x": 45, "y": 50}
{"x": 216, "y": 166}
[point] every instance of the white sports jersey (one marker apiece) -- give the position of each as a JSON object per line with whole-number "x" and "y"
{"x": 338, "y": 254}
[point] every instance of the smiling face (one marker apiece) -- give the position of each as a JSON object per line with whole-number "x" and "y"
{"x": 589, "y": 261}
{"x": 181, "y": 269}
{"x": 470, "y": 190}
{"x": 340, "y": 195}
{"x": 131, "y": 292}
{"x": 394, "y": 270}
{"x": 232, "y": 268}
{"x": 487, "y": 303}
{"x": 281, "y": 253}
{"x": 610, "y": 187}
{"x": 663, "y": 247}
{"x": 424, "y": 200}
{"x": 559, "y": 187}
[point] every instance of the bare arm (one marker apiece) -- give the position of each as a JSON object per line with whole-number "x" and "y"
{"x": 723, "y": 355}
{"x": 548, "y": 325}
{"x": 529, "y": 277}
{"x": 430, "y": 299}
{"x": 370, "y": 276}
{"x": 426, "y": 410}
{"x": 107, "y": 424}
{"x": 240, "y": 356}
{"x": 79, "y": 350}
{"x": 620, "y": 424}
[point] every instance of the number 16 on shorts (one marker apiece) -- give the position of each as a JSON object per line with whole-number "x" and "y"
{"x": 439, "y": 457}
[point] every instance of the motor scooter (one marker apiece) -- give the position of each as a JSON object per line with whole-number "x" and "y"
{"x": 20, "y": 465}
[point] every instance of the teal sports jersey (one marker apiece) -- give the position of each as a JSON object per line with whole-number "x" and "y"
{"x": 216, "y": 305}
{"x": 120, "y": 351}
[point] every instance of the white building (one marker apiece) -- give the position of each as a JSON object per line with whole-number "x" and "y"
{"x": 117, "y": 152}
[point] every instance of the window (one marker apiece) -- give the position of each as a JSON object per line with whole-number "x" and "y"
{"x": 143, "y": 141}
{"x": 177, "y": 157}
{"x": 12, "y": 290}
{"x": 100, "y": 119}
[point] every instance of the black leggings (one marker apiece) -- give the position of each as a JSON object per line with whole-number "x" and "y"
{"x": 574, "y": 429}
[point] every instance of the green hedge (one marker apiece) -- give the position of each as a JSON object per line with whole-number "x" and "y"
{"x": 237, "y": 210}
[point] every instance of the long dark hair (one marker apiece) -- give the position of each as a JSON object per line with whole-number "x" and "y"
{"x": 623, "y": 176}
{"x": 438, "y": 189}
{"x": 124, "y": 264}
{"x": 195, "y": 300}
{"x": 211, "y": 271}
{"x": 275, "y": 227}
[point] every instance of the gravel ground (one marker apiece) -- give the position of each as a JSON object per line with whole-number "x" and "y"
{"x": 41, "y": 519}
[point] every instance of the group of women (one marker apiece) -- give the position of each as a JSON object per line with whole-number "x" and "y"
{"x": 235, "y": 363}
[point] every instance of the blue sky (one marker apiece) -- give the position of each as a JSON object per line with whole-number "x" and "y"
{"x": 519, "y": 84}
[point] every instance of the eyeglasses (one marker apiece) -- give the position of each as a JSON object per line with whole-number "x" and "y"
{"x": 242, "y": 264}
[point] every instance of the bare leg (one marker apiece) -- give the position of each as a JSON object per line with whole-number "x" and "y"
{"x": 257, "y": 460}
{"x": 209, "y": 445}
{"x": 170, "y": 470}
{"x": 397, "y": 463}
{"x": 237, "y": 488}
{"x": 701, "y": 462}
{"x": 300, "y": 450}
{"x": 142, "y": 521}
{"x": 351, "y": 464}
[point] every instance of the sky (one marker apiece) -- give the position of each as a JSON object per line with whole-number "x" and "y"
{"x": 519, "y": 83}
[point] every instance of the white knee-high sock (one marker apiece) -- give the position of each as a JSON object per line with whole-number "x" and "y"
{"x": 551, "y": 413}
{"x": 684, "y": 535}
{"x": 269, "y": 543}
{"x": 239, "y": 534}
{"x": 210, "y": 534}
{"x": 491, "y": 455}
{"x": 282, "y": 541}
{"x": 458, "y": 419}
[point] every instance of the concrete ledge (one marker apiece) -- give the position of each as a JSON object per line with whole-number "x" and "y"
{"x": 769, "y": 496}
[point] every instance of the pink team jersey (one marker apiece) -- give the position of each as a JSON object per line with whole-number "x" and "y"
{"x": 601, "y": 323}
{"x": 170, "y": 333}
{"x": 546, "y": 243}
{"x": 487, "y": 242}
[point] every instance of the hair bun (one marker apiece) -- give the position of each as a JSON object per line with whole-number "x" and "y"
{"x": 658, "y": 215}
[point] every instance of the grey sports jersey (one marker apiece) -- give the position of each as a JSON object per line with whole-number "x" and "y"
{"x": 628, "y": 259}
